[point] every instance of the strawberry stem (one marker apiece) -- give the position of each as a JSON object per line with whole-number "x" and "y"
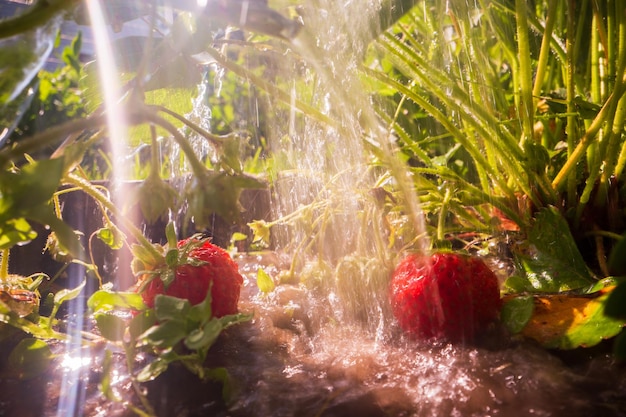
{"x": 94, "y": 193}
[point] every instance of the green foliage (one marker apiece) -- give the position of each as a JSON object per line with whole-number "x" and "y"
{"x": 549, "y": 260}
{"x": 58, "y": 95}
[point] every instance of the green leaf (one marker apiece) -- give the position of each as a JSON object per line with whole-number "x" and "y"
{"x": 165, "y": 335}
{"x": 170, "y": 308}
{"x": 217, "y": 193}
{"x": 156, "y": 198}
{"x": 232, "y": 319}
{"x": 202, "y": 312}
{"x": 111, "y": 326}
{"x": 205, "y": 337}
{"x": 105, "y": 380}
{"x": 106, "y": 300}
{"x": 150, "y": 260}
{"x": 564, "y": 321}
{"x": 37, "y": 330}
{"x": 69, "y": 294}
{"x": 264, "y": 281}
{"x": 15, "y": 231}
{"x": 238, "y": 237}
{"x": 33, "y": 185}
{"x": 111, "y": 236}
{"x": 171, "y": 258}
{"x": 153, "y": 369}
{"x": 140, "y": 324}
{"x": 516, "y": 313}
{"x": 66, "y": 236}
{"x": 221, "y": 375}
{"x": 554, "y": 263}
{"x": 31, "y": 357}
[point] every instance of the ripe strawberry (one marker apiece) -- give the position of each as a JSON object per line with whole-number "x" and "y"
{"x": 201, "y": 264}
{"x": 445, "y": 295}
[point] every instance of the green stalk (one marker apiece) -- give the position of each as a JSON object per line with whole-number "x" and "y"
{"x": 47, "y": 137}
{"x": 443, "y": 211}
{"x": 214, "y": 139}
{"x": 612, "y": 26}
{"x": 4, "y": 265}
{"x": 544, "y": 53}
{"x": 616, "y": 120}
{"x": 586, "y": 140}
{"x": 525, "y": 69}
{"x": 596, "y": 89}
{"x": 618, "y": 128}
{"x": 572, "y": 132}
{"x": 94, "y": 193}
{"x": 196, "y": 166}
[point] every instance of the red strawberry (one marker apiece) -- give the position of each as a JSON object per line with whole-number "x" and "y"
{"x": 205, "y": 263}
{"x": 445, "y": 295}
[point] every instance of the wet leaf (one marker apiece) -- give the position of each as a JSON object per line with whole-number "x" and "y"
{"x": 221, "y": 375}
{"x": 170, "y": 308}
{"x": 564, "y": 321}
{"x": 553, "y": 262}
{"x": 264, "y": 281}
{"x": 69, "y": 294}
{"x": 202, "y": 312}
{"x": 156, "y": 198}
{"x": 217, "y": 193}
{"x": 111, "y": 327}
{"x": 111, "y": 236}
{"x": 165, "y": 335}
{"x": 233, "y": 319}
{"x": 31, "y": 186}
{"x": 106, "y": 300}
{"x": 516, "y": 312}
{"x": 141, "y": 323}
{"x": 67, "y": 241}
{"x": 31, "y": 357}
{"x": 153, "y": 370}
{"x": 205, "y": 337}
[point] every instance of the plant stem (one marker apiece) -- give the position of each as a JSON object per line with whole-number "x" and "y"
{"x": 4, "y": 265}
{"x": 196, "y": 166}
{"x": 544, "y": 53}
{"x": 94, "y": 193}
{"x": 34, "y": 17}
{"x": 572, "y": 131}
{"x": 616, "y": 121}
{"x": 214, "y": 139}
{"x": 49, "y": 136}
{"x": 587, "y": 138}
{"x": 525, "y": 69}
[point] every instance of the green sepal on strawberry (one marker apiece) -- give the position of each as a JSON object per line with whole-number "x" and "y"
{"x": 444, "y": 296}
{"x": 188, "y": 269}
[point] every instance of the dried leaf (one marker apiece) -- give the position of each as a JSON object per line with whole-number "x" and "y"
{"x": 565, "y": 321}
